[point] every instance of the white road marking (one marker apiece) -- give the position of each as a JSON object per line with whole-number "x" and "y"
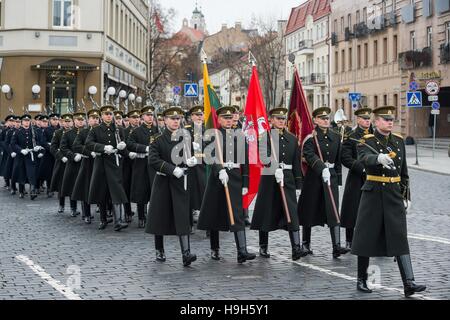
{"x": 64, "y": 290}
{"x": 428, "y": 238}
{"x": 340, "y": 275}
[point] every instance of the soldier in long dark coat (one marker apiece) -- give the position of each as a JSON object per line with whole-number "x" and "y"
{"x": 74, "y": 160}
{"x": 48, "y": 160}
{"x": 142, "y": 174}
{"x": 60, "y": 160}
{"x": 8, "y": 170}
{"x": 26, "y": 144}
{"x": 214, "y": 215}
{"x": 381, "y": 229}
{"x": 106, "y": 183}
{"x": 4, "y": 148}
{"x": 169, "y": 203}
{"x": 83, "y": 180}
{"x": 316, "y": 207}
{"x": 356, "y": 175}
{"x": 282, "y": 167}
{"x": 39, "y": 129}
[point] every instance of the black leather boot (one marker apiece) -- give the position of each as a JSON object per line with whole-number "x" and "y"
{"x": 306, "y": 244}
{"x": 117, "y": 218}
{"x": 215, "y": 254}
{"x": 241, "y": 245}
{"x": 361, "y": 284}
{"x": 159, "y": 246}
{"x": 246, "y": 218}
{"x": 188, "y": 258}
{"x": 141, "y": 214}
{"x": 73, "y": 209}
{"x": 336, "y": 240}
{"x": 33, "y": 194}
{"x": 160, "y": 255}
{"x": 86, "y": 207}
{"x": 348, "y": 238}
{"x": 297, "y": 250}
{"x": 406, "y": 271}
{"x": 264, "y": 244}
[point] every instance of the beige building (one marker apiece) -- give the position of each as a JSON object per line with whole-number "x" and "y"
{"x": 66, "y": 46}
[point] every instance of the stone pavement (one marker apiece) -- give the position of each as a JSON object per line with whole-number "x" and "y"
{"x": 440, "y": 163}
{"x": 39, "y": 251}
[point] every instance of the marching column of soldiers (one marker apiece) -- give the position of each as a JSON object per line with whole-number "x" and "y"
{"x": 158, "y": 162}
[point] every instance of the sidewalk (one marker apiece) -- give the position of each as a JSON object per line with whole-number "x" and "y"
{"x": 440, "y": 164}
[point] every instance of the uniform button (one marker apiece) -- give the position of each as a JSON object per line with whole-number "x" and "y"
{"x": 399, "y": 158}
{"x": 384, "y": 184}
{"x": 378, "y": 142}
{"x": 381, "y": 150}
{"x": 328, "y": 145}
{"x": 398, "y": 149}
{"x": 384, "y": 175}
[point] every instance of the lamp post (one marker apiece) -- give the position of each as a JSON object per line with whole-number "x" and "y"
{"x": 7, "y": 91}
{"x": 36, "y": 90}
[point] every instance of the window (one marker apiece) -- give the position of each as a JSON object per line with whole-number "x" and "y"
{"x": 385, "y": 100}
{"x": 62, "y": 13}
{"x": 395, "y": 100}
{"x": 358, "y": 57}
{"x": 342, "y": 24}
{"x": 349, "y": 22}
{"x": 365, "y": 15}
{"x": 375, "y": 52}
{"x": 358, "y": 18}
{"x": 350, "y": 57}
{"x": 394, "y": 5}
{"x": 385, "y": 50}
{"x": 336, "y": 62}
{"x": 343, "y": 60}
{"x": 412, "y": 40}
{"x": 335, "y": 26}
{"x": 366, "y": 55}
{"x": 383, "y": 6}
{"x": 447, "y": 32}
{"x": 429, "y": 36}
{"x": 375, "y": 101}
{"x": 395, "y": 48}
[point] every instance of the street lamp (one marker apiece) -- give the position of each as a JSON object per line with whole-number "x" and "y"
{"x": 122, "y": 94}
{"x": 111, "y": 93}
{"x": 92, "y": 90}
{"x": 7, "y": 91}
{"x": 36, "y": 90}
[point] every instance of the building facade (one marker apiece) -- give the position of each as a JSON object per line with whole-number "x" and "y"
{"x": 307, "y": 34}
{"x": 66, "y": 46}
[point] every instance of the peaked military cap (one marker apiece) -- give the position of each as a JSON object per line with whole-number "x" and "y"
{"x": 93, "y": 113}
{"x": 363, "y": 113}
{"x": 173, "y": 112}
{"x": 196, "y": 110}
{"x": 386, "y": 112}
{"x": 321, "y": 112}
{"x": 10, "y": 117}
{"x": 25, "y": 117}
{"x": 148, "y": 109}
{"x": 118, "y": 114}
{"x": 226, "y": 111}
{"x": 107, "y": 108}
{"x": 79, "y": 115}
{"x": 279, "y": 112}
{"x": 134, "y": 114}
{"x": 67, "y": 117}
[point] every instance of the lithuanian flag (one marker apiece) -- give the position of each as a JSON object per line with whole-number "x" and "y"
{"x": 211, "y": 101}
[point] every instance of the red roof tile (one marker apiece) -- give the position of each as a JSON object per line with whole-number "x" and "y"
{"x": 317, "y": 8}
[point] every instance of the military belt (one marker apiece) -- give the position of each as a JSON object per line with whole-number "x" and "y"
{"x": 231, "y": 165}
{"x": 384, "y": 179}
{"x": 141, "y": 155}
{"x": 285, "y": 166}
{"x": 329, "y": 165}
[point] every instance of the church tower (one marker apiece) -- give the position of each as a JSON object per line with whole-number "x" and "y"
{"x": 198, "y": 20}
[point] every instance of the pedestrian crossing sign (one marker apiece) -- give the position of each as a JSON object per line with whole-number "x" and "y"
{"x": 191, "y": 90}
{"x": 414, "y": 99}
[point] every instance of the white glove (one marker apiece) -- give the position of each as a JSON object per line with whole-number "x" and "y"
{"x": 13, "y": 155}
{"x": 407, "y": 204}
{"x": 121, "y": 146}
{"x": 64, "y": 159}
{"x": 24, "y": 152}
{"x": 77, "y": 157}
{"x": 178, "y": 172}
{"x": 132, "y": 155}
{"x": 279, "y": 176}
{"x": 298, "y": 192}
{"x": 192, "y": 162}
{"x": 147, "y": 149}
{"x": 196, "y": 146}
{"x": 244, "y": 191}
{"x": 326, "y": 176}
{"x": 385, "y": 160}
{"x": 40, "y": 155}
{"x": 223, "y": 176}
{"x": 93, "y": 155}
{"x": 109, "y": 149}
{"x": 36, "y": 149}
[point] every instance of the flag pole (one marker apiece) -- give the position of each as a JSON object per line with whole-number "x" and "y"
{"x": 220, "y": 155}
{"x": 283, "y": 194}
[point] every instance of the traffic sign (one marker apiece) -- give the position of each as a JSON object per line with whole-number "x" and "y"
{"x": 433, "y": 98}
{"x": 191, "y": 90}
{"x": 355, "y": 105}
{"x": 413, "y": 86}
{"x": 414, "y": 99}
{"x": 354, "y": 96}
{"x": 432, "y": 88}
{"x": 435, "y": 105}
{"x": 436, "y": 112}
{"x": 177, "y": 90}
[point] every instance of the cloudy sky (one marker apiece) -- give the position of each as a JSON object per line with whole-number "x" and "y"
{"x": 229, "y": 11}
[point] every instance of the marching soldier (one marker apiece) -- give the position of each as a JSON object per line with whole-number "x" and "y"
{"x": 381, "y": 228}
{"x": 169, "y": 203}
{"x": 4, "y": 148}
{"x": 74, "y": 160}
{"x": 269, "y": 214}
{"x": 83, "y": 180}
{"x": 12, "y": 155}
{"x": 26, "y": 144}
{"x": 118, "y": 118}
{"x": 316, "y": 207}
{"x": 48, "y": 160}
{"x": 161, "y": 124}
{"x": 106, "y": 182}
{"x": 233, "y": 173}
{"x": 142, "y": 174}
{"x": 60, "y": 159}
{"x": 356, "y": 176}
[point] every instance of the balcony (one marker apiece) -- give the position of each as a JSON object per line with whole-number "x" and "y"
{"x": 334, "y": 39}
{"x": 415, "y": 59}
{"x": 361, "y": 30}
{"x": 408, "y": 13}
{"x": 376, "y": 24}
{"x": 305, "y": 47}
{"x": 348, "y": 34}
{"x": 442, "y": 6}
{"x": 390, "y": 19}
{"x": 445, "y": 53}
{"x": 318, "y": 78}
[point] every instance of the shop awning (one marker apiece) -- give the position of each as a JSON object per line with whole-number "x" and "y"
{"x": 65, "y": 65}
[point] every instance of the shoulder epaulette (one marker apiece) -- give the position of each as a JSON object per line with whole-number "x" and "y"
{"x": 157, "y": 136}
{"x": 398, "y": 135}
{"x": 188, "y": 126}
{"x": 368, "y": 136}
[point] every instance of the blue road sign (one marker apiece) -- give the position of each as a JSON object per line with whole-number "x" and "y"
{"x": 177, "y": 90}
{"x": 354, "y": 96}
{"x": 435, "y": 105}
{"x": 414, "y": 99}
{"x": 413, "y": 86}
{"x": 191, "y": 90}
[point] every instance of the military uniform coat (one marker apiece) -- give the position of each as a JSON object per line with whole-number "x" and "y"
{"x": 83, "y": 180}
{"x": 9, "y": 164}
{"x": 143, "y": 173}
{"x": 128, "y": 164}
{"x": 60, "y": 167}
{"x": 169, "y": 202}
{"x": 107, "y": 173}
{"x": 315, "y": 206}
{"x": 214, "y": 211}
{"x": 355, "y": 179}
{"x": 381, "y": 228}
{"x": 48, "y": 161}
{"x": 5, "y": 150}
{"x": 72, "y": 167}
{"x": 269, "y": 214}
